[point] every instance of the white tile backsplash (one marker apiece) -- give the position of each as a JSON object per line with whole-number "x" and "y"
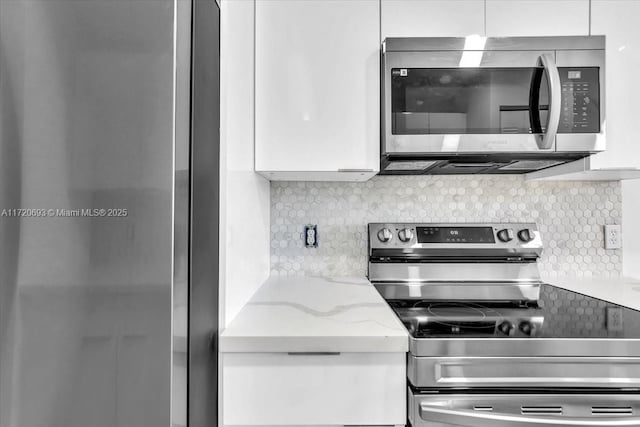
{"x": 570, "y": 216}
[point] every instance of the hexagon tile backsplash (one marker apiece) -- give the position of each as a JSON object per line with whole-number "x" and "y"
{"x": 570, "y": 216}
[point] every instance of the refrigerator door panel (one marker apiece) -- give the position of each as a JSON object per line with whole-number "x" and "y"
{"x": 86, "y": 150}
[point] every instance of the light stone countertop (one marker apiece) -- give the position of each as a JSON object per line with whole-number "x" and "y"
{"x": 315, "y": 314}
{"x": 624, "y": 291}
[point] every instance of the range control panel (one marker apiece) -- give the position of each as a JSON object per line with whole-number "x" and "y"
{"x": 580, "y": 100}
{"x": 455, "y": 235}
{"x": 408, "y": 236}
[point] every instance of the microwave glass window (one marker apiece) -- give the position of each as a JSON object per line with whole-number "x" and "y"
{"x": 469, "y": 100}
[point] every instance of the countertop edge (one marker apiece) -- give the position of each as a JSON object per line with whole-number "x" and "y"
{"x": 391, "y": 341}
{"x": 314, "y": 345}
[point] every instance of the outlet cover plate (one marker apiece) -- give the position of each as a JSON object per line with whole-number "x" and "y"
{"x": 615, "y": 319}
{"x": 612, "y": 236}
{"x": 311, "y": 236}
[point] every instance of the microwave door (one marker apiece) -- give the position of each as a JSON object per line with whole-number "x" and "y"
{"x": 500, "y": 105}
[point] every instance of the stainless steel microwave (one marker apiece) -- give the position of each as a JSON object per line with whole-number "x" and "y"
{"x": 490, "y": 104}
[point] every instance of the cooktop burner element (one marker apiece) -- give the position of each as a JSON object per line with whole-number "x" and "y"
{"x": 442, "y": 311}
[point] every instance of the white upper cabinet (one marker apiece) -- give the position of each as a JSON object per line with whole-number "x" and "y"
{"x": 507, "y": 18}
{"x": 618, "y": 21}
{"x": 317, "y": 89}
{"x": 432, "y": 18}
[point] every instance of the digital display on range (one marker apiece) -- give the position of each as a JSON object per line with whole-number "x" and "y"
{"x": 455, "y": 235}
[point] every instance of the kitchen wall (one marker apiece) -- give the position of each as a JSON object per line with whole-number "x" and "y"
{"x": 244, "y": 195}
{"x": 570, "y": 216}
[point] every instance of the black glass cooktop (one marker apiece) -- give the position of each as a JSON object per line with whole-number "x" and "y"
{"x": 558, "y": 314}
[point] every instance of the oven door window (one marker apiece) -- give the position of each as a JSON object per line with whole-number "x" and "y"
{"x": 469, "y": 101}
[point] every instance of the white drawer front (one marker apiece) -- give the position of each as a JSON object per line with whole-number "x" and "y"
{"x": 314, "y": 389}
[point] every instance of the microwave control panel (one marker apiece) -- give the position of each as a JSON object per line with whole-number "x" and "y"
{"x": 580, "y": 100}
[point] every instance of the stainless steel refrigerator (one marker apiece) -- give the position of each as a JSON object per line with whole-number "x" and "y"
{"x": 109, "y": 134}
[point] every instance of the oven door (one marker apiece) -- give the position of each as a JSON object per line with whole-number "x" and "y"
{"x": 446, "y": 102}
{"x": 524, "y": 410}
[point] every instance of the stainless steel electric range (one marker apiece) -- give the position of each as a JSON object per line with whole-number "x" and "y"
{"x": 491, "y": 345}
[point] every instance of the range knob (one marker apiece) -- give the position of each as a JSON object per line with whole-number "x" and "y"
{"x": 405, "y": 235}
{"x": 506, "y": 328}
{"x": 506, "y": 235}
{"x": 526, "y": 235}
{"x": 527, "y": 327}
{"x": 385, "y": 235}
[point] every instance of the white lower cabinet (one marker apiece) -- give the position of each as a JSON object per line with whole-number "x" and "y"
{"x": 281, "y": 389}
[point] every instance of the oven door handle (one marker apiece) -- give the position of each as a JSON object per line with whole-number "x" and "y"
{"x": 545, "y": 141}
{"x": 489, "y": 419}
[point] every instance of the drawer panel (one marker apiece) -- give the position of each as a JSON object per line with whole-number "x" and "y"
{"x": 619, "y": 372}
{"x": 314, "y": 389}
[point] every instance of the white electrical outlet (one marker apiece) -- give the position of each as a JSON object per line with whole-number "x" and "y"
{"x": 311, "y": 236}
{"x": 612, "y": 236}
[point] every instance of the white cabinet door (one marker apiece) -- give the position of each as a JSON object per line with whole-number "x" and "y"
{"x": 317, "y": 89}
{"x": 537, "y": 17}
{"x": 618, "y": 21}
{"x": 279, "y": 389}
{"x": 432, "y": 18}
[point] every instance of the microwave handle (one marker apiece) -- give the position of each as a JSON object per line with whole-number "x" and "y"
{"x": 469, "y": 418}
{"x": 546, "y": 140}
